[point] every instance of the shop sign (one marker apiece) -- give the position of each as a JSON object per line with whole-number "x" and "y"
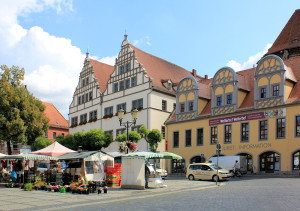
{"x": 275, "y": 113}
{"x": 247, "y": 146}
{"x": 239, "y": 118}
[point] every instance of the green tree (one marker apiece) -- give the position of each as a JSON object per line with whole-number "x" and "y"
{"x": 40, "y": 143}
{"x": 153, "y": 137}
{"x": 133, "y": 136}
{"x": 67, "y": 141}
{"x": 21, "y": 114}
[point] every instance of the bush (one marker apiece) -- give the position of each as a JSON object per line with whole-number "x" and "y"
{"x": 28, "y": 187}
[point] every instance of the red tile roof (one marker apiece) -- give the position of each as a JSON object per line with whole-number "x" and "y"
{"x": 102, "y": 73}
{"x": 159, "y": 69}
{"x": 289, "y": 36}
{"x": 55, "y": 117}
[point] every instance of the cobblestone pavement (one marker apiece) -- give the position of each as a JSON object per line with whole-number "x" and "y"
{"x": 255, "y": 193}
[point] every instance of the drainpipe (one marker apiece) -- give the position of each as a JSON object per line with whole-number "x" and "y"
{"x": 148, "y": 104}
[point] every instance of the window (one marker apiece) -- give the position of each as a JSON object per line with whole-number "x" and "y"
{"x": 74, "y": 121}
{"x": 174, "y": 105}
{"x": 123, "y": 106}
{"x": 15, "y": 146}
{"x": 164, "y": 105}
{"x": 219, "y": 100}
{"x": 227, "y": 135}
{"x": 121, "y": 69}
{"x": 82, "y": 82}
{"x": 83, "y": 118}
{"x": 229, "y": 99}
{"x": 138, "y": 104}
{"x": 46, "y": 134}
{"x": 127, "y": 84}
{"x": 163, "y": 131}
{"x": 87, "y": 97}
{"x": 280, "y": 130}
{"x": 93, "y": 115}
{"x": 245, "y": 132}
{"x": 263, "y": 92}
{"x": 120, "y": 131}
{"x": 62, "y": 134}
{"x": 87, "y": 81}
{"x": 188, "y": 138}
{"x": 116, "y": 87}
{"x": 296, "y": 158}
{"x": 263, "y": 130}
{"x": 182, "y": 107}
{"x": 54, "y": 135}
{"x": 191, "y": 105}
{"x": 90, "y": 95}
{"x": 82, "y": 99}
{"x": 122, "y": 85}
{"x": 109, "y": 111}
{"x": 199, "y": 136}
{"x": 133, "y": 81}
{"x": 110, "y": 132}
{"x": 297, "y": 126}
{"x": 136, "y": 128}
{"x": 175, "y": 139}
{"x": 276, "y": 90}
{"x": 127, "y": 67}
{"x": 214, "y": 135}
{"x": 79, "y": 100}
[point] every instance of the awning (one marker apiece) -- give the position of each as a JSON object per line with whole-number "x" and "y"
{"x": 147, "y": 155}
{"x": 28, "y": 157}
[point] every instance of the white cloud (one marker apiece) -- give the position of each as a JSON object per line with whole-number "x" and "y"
{"x": 145, "y": 39}
{"x": 52, "y": 63}
{"x": 109, "y": 60}
{"x": 252, "y": 60}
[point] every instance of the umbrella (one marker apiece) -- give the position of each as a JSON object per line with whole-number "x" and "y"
{"x": 147, "y": 155}
{"x": 170, "y": 155}
{"x": 29, "y": 157}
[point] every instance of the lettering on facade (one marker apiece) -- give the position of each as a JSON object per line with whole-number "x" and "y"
{"x": 275, "y": 113}
{"x": 239, "y": 118}
{"x": 247, "y": 146}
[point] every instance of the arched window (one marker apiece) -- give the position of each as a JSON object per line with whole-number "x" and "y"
{"x": 296, "y": 159}
{"x": 269, "y": 162}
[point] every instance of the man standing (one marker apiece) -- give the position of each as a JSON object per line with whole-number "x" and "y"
{"x": 147, "y": 172}
{"x": 237, "y": 168}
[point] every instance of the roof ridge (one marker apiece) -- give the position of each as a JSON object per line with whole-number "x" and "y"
{"x": 102, "y": 63}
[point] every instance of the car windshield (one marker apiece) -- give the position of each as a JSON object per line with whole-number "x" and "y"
{"x": 215, "y": 167}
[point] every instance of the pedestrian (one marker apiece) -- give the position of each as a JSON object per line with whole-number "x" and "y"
{"x": 81, "y": 182}
{"x": 236, "y": 168}
{"x": 147, "y": 172}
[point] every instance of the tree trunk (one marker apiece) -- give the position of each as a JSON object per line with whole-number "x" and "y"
{"x": 8, "y": 147}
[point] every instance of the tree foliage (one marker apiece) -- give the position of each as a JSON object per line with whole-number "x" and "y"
{"x": 153, "y": 137}
{"x": 133, "y": 137}
{"x": 21, "y": 114}
{"x": 40, "y": 143}
{"x": 91, "y": 140}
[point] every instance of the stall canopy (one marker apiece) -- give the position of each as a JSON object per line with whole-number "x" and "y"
{"x": 147, "y": 155}
{"x": 29, "y": 157}
{"x": 2, "y": 155}
{"x": 170, "y": 155}
{"x": 54, "y": 150}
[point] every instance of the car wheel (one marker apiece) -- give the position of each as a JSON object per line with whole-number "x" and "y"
{"x": 215, "y": 178}
{"x": 191, "y": 177}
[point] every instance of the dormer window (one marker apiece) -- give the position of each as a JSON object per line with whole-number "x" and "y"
{"x": 229, "y": 99}
{"x": 219, "y": 101}
{"x": 275, "y": 90}
{"x": 182, "y": 107}
{"x": 263, "y": 92}
{"x": 169, "y": 85}
{"x": 191, "y": 105}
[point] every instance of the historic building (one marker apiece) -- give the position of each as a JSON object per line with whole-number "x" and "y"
{"x": 254, "y": 112}
{"x": 137, "y": 80}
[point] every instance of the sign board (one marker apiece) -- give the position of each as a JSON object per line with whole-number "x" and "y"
{"x": 202, "y": 155}
{"x": 239, "y": 118}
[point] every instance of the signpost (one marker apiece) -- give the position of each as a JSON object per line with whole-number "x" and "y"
{"x": 218, "y": 151}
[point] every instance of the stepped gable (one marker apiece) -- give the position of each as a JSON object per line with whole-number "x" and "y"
{"x": 159, "y": 69}
{"x": 289, "y": 36}
{"x": 56, "y": 119}
{"x": 102, "y": 73}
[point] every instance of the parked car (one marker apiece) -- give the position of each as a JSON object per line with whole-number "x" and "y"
{"x": 161, "y": 172}
{"x": 206, "y": 171}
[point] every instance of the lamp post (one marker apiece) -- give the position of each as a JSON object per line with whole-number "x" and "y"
{"x": 127, "y": 124}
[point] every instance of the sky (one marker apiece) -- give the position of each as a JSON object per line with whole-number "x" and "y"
{"x": 49, "y": 38}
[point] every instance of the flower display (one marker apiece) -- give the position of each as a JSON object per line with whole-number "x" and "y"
{"x": 127, "y": 146}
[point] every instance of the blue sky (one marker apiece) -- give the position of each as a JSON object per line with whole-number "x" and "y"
{"x": 49, "y": 38}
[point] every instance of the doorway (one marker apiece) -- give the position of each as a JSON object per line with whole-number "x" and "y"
{"x": 249, "y": 161}
{"x": 197, "y": 159}
{"x": 269, "y": 162}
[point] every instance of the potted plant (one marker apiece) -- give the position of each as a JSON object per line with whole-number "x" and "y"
{"x": 28, "y": 187}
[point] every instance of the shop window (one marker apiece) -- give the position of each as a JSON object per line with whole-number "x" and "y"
{"x": 214, "y": 135}
{"x": 263, "y": 92}
{"x": 54, "y": 135}
{"x": 182, "y": 107}
{"x": 227, "y": 135}
{"x": 164, "y": 105}
{"x": 133, "y": 81}
{"x": 191, "y": 105}
{"x": 163, "y": 131}
{"x": 116, "y": 87}
{"x": 229, "y": 99}
{"x": 127, "y": 83}
{"x": 122, "y": 85}
{"x": 270, "y": 162}
{"x": 296, "y": 159}
{"x": 188, "y": 138}
{"x": 275, "y": 90}
{"x": 175, "y": 139}
{"x": 245, "y": 132}
{"x": 280, "y": 128}
{"x": 178, "y": 166}
{"x": 263, "y": 129}
{"x": 297, "y": 128}
{"x": 219, "y": 100}
{"x": 200, "y": 136}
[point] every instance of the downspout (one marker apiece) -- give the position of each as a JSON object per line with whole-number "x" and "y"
{"x": 148, "y": 104}
{"x": 101, "y": 102}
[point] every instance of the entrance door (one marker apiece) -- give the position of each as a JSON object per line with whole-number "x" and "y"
{"x": 249, "y": 161}
{"x": 269, "y": 162}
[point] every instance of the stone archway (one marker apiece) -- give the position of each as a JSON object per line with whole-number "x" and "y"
{"x": 197, "y": 159}
{"x": 269, "y": 162}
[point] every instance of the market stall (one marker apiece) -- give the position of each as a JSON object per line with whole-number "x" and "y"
{"x": 54, "y": 150}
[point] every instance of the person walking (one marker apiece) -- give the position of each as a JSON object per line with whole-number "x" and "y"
{"x": 236, "y": 168}
{"x": 147, "y": 172}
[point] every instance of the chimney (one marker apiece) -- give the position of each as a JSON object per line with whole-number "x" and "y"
{"x": 206, "y": 76}
{"x": 194, "y": 72}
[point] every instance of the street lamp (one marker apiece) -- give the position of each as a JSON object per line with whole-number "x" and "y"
{"x": 127, "y": 124}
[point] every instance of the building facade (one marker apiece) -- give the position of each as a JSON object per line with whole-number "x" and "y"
{"x": 254, "y": 112}
{"x": 137, "y": 80}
